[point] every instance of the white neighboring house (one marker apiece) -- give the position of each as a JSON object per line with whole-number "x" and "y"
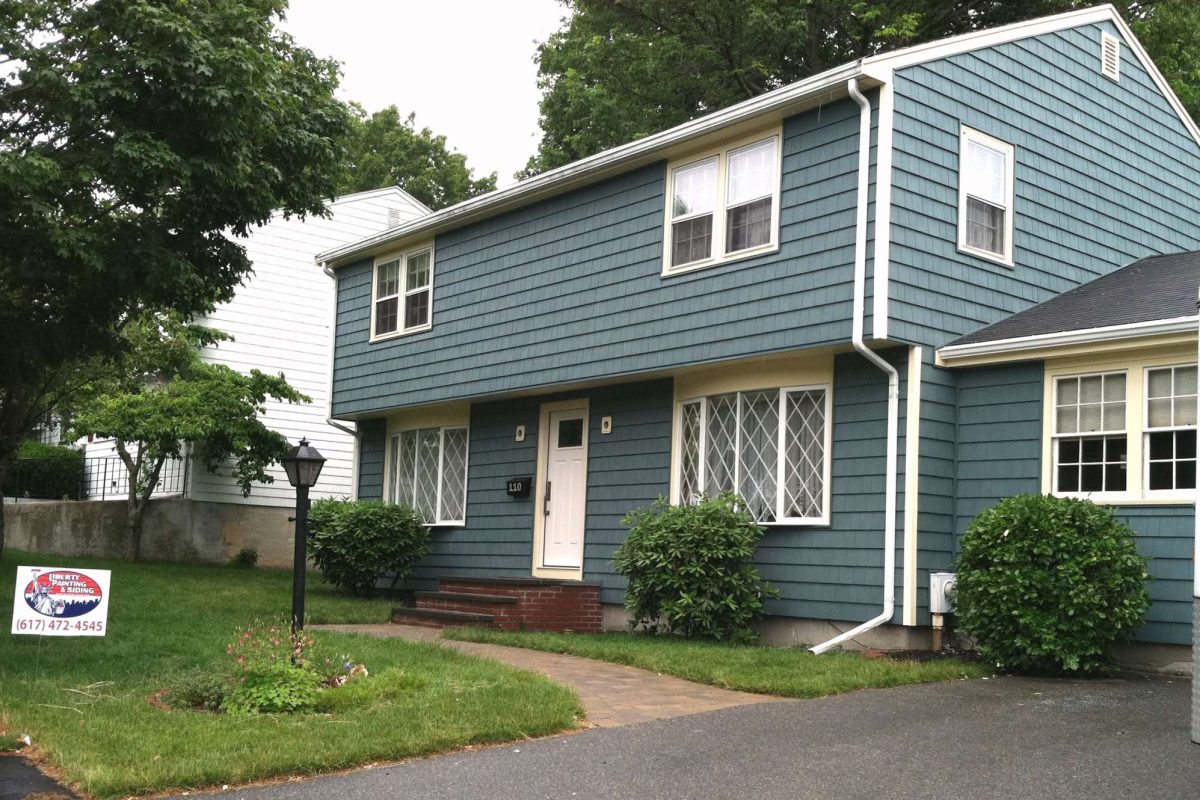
{"x": 281, "y": 321}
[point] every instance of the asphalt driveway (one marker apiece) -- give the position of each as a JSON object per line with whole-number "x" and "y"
{"x": 1005, "y": 737}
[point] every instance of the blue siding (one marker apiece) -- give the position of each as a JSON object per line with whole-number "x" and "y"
{"x": 627, "y": 469}
{"x": 570, "y": 289}
{"x": 1105, "y": 174}
{"x": 836, "y": 572}
{"x": 372, "y": 436}
{"x": 999, "y": 455}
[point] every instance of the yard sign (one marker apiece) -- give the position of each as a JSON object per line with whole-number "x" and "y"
{"x": 53, "y": 601}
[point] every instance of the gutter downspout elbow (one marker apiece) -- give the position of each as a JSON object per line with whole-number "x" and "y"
{"x": 329, "y": 420}
{"x": 893, "y": 376}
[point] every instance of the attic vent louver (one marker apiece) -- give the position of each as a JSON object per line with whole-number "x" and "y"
{"x": 1110, "y": 56}
{"x": 393, "y": 217}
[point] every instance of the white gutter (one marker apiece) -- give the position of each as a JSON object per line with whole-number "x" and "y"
{"x": 329, "y": 420}
{"x": 856, "y": 338}
{"x": 947, "y": 356}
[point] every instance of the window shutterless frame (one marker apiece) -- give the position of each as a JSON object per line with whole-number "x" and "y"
{"x": 724, "y": 198}
{"x": 402, "y": 292}
{"x": 977, "y": 205}
{"x": 397, "y": 465}
{"x": 697, "y": 410}
{"x": 1180, "y": 430}
{"x": 1103, "y": 436}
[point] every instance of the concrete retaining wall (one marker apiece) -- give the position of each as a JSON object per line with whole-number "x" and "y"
{"x": 174, "y": 529}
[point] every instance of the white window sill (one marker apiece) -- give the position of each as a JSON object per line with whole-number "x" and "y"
{"x": 716, "y": 262}
{"x": 798, "y": 523}
{"x": 1005, "y": 260}
{"x": 446, "y": 524}
{"x": 1151, "y": 499}
{"x": 383, "y": 337}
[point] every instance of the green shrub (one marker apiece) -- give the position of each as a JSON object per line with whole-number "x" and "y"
{"x": 197, "y": 690}
{"x": 689, "y": 569}
{"x": 355, "y": 542}
{"x": 46, "y": 471}
{"x": 1046, "y": 584}
{"x": 246, "y": 558}
{"x": 278, "y": 688}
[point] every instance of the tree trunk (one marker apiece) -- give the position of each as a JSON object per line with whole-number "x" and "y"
{"x": 4, "y": 469}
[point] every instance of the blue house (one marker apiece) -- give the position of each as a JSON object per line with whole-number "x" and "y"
{"x": 779, "y": 299}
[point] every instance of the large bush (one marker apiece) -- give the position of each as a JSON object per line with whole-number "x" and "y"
{"x": 355, "y": 542}
{"x": 45, "y": 471}
{"x": 1046, "y": 584}
{"x": 689, "y": 569}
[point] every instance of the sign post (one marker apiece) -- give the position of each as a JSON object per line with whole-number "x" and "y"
{"x": 60, "y": 601}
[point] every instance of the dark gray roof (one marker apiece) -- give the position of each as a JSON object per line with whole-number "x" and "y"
{"x": 1155, "y": 288}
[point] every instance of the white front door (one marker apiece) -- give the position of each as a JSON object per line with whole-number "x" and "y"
{"x": 564, "y": 495}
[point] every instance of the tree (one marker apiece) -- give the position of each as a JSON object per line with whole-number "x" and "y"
{"x": 385, "y": 150}
{"x": 162, "y": 399}
{"x": 134, "y": 135}
{"x": 620, "y": 70}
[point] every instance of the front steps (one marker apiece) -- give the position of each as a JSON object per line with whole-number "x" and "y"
{"x": 515, "y": 604}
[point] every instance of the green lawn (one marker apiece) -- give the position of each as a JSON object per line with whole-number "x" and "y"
{"x": 84, "y": 700}
{"x": 786, "y": 672}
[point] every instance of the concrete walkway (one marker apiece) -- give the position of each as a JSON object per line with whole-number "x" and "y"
{"x": 612, "y": 695}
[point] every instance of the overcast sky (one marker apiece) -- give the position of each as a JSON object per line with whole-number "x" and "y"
{"x": 464, "y": 66}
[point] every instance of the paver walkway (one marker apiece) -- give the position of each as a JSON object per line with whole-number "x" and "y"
{"x": 612, "y": 694}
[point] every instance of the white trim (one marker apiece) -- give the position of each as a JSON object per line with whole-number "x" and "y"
{"x": 825, "y": 86}
{"x": 401, "y": 258}
{"x": 1025, "y": 347}
{"x": 912, "y": 482}
{"x": 537, "y": 566}
{"x": 883, "y": 210}
{"x": 720, "y": 155}
{"x": 966, "y": 137}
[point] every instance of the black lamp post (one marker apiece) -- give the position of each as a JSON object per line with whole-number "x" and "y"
{"x": 303, "y": 466}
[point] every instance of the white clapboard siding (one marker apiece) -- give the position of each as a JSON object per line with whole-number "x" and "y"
{"x": 281, "y": 319}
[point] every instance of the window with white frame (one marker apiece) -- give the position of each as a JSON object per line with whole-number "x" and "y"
{"x": 985, "y": 196}
{"x": 1170, "y": 435}
{"x": 723, "y": 205}
{"x": 1090, "y": 442}
{"x": 403, "y": 293}
{"x": 428, "y": 472}
{"x": 770, "y": 446}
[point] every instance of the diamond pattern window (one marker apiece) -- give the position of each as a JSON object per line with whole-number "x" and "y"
{"x": 769, "y": 446}
{"x": 429, "y": 473}
{"x": 403, "y": 293}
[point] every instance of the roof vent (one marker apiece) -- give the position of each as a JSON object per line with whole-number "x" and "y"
{"x": 393, "y": 217}
{"x": 1110, "y": 56}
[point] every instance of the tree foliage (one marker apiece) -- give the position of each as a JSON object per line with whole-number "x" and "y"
{"x": 134, "y": 135}
{"x": 620, "y": 70}
{"x": 387, "y": 150}
{"x": 162, "y": 400}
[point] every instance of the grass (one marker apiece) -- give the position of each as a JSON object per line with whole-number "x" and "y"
{"x": 84, "y": 700}
{"x": 786, "y": 672}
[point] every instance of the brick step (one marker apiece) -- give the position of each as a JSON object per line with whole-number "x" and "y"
{"x": 437, "y": 618}
{"x": 464, "y": 597}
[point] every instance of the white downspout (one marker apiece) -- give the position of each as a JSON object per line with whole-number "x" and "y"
{"x": 893, "y": 413}
{"x": 1196, "y": 591}
{"x": 329, "y": 420}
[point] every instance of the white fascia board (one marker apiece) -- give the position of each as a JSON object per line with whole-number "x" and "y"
{"x": 642, "y": 151}
{"x": 1029, "y": 346}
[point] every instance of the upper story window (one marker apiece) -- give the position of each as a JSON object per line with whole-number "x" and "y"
{"x": 402, "y": 293}
{"x": 985, "y": 196}
{"x": 723, "y": 205}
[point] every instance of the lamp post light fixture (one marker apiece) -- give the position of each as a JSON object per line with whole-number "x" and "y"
{"x": 303, "y": 466}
